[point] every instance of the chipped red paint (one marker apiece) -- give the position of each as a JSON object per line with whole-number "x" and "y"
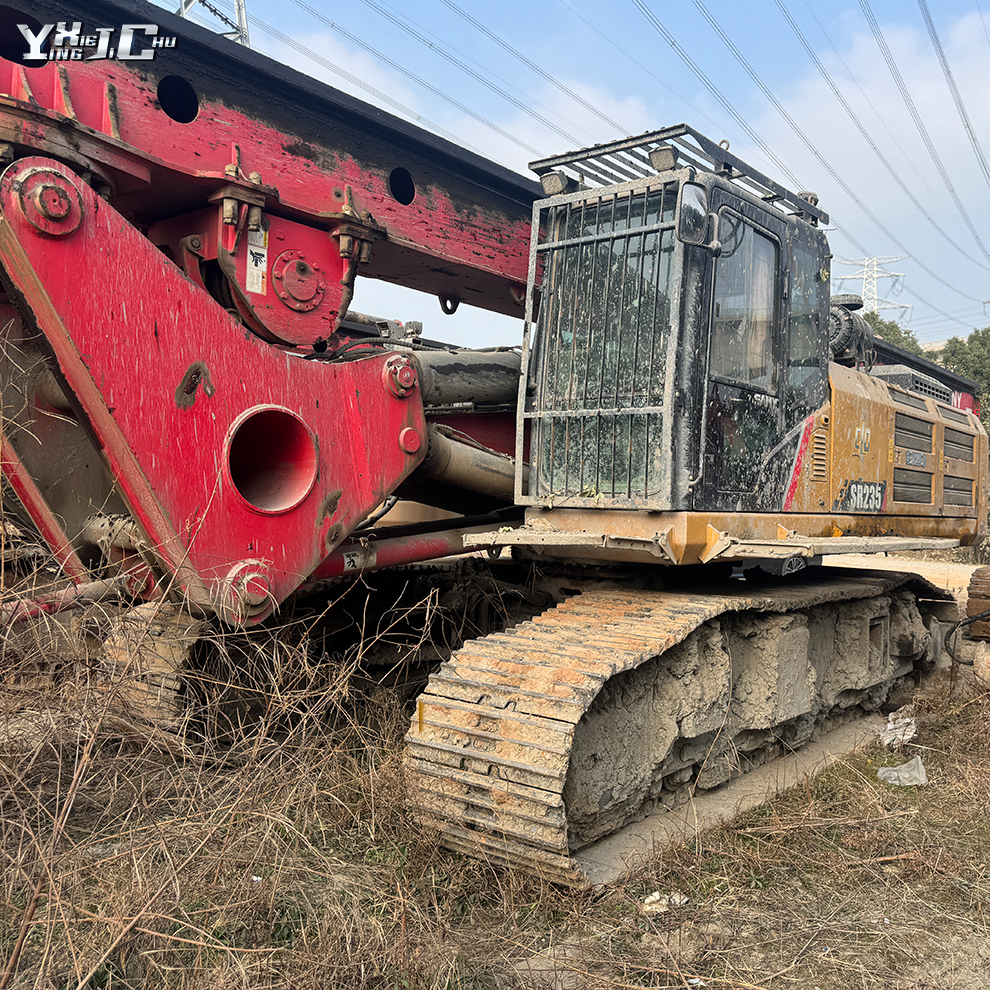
{"x": 240, "y": 462}
{"x": 798, "y": 463}
{"x": 244, "y": 464}
{"x": 104, "y": 117}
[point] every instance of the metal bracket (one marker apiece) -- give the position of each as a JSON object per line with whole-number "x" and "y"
{"x": 658, "y": 546}
{"x": 723, "y": 546}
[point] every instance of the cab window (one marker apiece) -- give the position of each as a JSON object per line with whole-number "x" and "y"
{"x": 806, "y": 382}
{"x": 745, "y": 303}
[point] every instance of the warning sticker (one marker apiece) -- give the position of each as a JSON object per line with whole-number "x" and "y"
{"x": 358, "y": 560}
{"x": 257, "y": 262}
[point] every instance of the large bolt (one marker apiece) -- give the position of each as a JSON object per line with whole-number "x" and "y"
{"x": 399, "y": 376}
{"x": 52, "y": 202}
{"x": 405, "y": 377}
{"x": 253, "y": 589}
{"x": 409, "y": 440}
{"x": 249, "y": 595}
{"x": 139, "y": 582}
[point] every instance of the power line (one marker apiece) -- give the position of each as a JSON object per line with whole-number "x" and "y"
{"x": 909, "y": 159}
{"x": 916, "y": 117}
{"x": 494, "y": 75}
{"x": 658, "y": 26}
{"x": 622, "y": 51}
{"x": 354, "y": 80}
{"x": 983, "y": 22}
{"x": 936, "y": 324}
{"x": 354, "y": 39}
{"x": 792, "y": 123}
{"x": 464, "y": 67}
{"x": 933, "y": 307}
{"x": 960, "y": 314}
{"x": 866, "y": 134}
{"x": 954, "y": 90}
{"x": 530, "y": 64}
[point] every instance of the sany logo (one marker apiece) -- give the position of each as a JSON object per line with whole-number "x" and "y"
{"x": 69, "y": 43}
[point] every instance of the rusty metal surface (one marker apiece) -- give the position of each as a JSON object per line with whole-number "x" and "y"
{"x": 489, "y": 745}
{"x": 977, "y": 602}
{"x": 308, "y": 144}
{"x": 244, "y": 489}
{"x": 685, "y": 537}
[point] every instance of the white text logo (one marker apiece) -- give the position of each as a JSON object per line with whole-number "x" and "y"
{"x": 137, "y": 42}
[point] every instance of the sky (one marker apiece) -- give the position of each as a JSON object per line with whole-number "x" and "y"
{"x": 854, "y": 99}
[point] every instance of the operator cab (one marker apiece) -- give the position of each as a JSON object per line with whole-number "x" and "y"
{"x": 677, "y": 328}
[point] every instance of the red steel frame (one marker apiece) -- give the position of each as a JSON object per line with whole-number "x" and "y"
{"x": 244, "y": 464}
{"x": 124, "y": 353}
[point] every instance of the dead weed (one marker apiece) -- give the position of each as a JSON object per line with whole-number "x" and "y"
{"x": 286, "y": 859}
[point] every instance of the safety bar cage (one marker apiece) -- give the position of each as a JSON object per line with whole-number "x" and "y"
{"x": 596, "y": 395}
{"x": 646, "y": 154}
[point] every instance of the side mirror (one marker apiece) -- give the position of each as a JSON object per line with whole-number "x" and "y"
{"x": 693, "y": 217}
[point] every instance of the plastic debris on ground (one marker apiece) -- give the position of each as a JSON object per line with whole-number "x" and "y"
{"x": 901, "y": 728}
{"x": 657, "y": 903}
{"x": 909, "y": 774}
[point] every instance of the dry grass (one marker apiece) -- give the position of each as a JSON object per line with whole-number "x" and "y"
{"x": 287, "y": 860}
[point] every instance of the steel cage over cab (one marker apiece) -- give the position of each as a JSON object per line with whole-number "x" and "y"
{"x": 628, "y": 353}
{"x": 599, "y": 373}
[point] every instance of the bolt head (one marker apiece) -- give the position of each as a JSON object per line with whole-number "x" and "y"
{"x": 409, "y": 440}
{"x": 253, "y": 589}
{"x": 49, "y": 200}
{"x": 52, "y": 202}
{"x": 400, "y": 376}
{"x": 247, "y": 596}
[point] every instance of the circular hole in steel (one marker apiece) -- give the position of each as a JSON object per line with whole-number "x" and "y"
{"x": 401, "y": 186}
{"x": 272, "y": 460}
{"x": 178, "y": 99}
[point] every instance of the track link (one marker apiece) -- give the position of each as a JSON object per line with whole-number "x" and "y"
{"x": 490, "y": 744}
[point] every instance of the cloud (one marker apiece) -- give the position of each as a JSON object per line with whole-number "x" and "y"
{"x": 864, "y": 79}
{"x": 334, "y": 51}
{"x": 629, "y": 115}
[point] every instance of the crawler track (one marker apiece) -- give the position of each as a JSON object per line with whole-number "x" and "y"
{"x": 489, "y": 752}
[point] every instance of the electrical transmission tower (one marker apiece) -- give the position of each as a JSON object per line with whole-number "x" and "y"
{"x": 238, "y": 32}
{"x": 869, "y": 273}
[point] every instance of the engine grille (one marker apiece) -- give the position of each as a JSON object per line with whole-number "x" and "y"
{"x": 957, "y": 491}
{"x": 912, "y": 432}
{"x": 912, "y": 486}
{"x": 959, "y": 445}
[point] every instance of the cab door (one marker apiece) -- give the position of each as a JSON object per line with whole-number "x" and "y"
{"x": 744, "y": 382}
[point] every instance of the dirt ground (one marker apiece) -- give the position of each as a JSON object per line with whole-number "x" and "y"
{"x": 129, "y": 862}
